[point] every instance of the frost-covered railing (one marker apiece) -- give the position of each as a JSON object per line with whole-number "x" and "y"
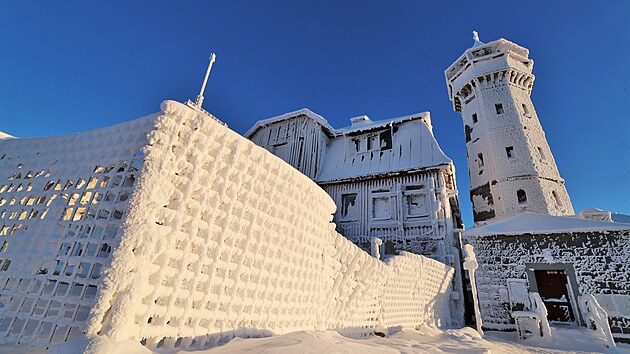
{"x": 174, "y": 231}
{"x": 596, "y": 316}
{"x": 538, "y": 306}
{"x": 532, "y": 323}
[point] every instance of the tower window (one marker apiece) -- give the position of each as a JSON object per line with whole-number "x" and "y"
{"x": 499, "y": 108}
{"x": 557, "y": 198}
{"x": 474, "y": 117}
{"x": 525, "y": 110}
{"x": 541, "y": 153}
{"x": 509, "y": 151}
{"x": 480, "y": 156}
{"x": 521, "y": 196}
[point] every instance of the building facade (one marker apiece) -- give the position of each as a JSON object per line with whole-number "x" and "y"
{"x": 510, "y": 164}
{"x": 389, "y": 179}
{"x": 527, "y": 241}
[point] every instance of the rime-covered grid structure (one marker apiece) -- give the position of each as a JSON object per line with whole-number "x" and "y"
{"x": 62, "y": 203}
{"x": 177, "y": 232}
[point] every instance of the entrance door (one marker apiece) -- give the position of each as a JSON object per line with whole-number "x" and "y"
{"x": 554, "y": 291}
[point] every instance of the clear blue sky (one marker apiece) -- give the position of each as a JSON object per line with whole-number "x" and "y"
{"x": 73, "y": 66}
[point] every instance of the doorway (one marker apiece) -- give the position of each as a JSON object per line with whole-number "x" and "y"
{"x": 554, "y": 289}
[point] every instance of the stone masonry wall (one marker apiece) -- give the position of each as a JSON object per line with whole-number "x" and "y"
{"x": 601, "y": 261}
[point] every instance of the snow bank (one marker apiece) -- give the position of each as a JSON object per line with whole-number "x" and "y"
{"x": 210, "y": 237}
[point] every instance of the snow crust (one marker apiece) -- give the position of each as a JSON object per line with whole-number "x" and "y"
{"x": 542, "y": 224}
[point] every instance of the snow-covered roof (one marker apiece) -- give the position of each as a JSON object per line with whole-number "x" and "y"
{"x": 623, "y": 218}
{"x": 413, "y": 148}
{"x": 300, "y": 112}
{"x": 4, "y": 135}
{"x": 530, "y": 223}
{"x": 367, "y": 124}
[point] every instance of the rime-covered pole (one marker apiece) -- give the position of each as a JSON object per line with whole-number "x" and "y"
{"x": 199, "y": 102}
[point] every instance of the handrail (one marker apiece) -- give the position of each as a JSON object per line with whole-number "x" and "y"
{"x": 539, "y": 307}
{"x": 596, "y": 313}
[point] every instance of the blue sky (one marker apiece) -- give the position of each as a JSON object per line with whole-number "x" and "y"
{"x": 73, "y": 66}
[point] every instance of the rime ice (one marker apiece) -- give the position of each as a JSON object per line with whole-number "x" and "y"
{"x": 177, "y": 232}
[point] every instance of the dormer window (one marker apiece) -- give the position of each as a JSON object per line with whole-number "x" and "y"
{"x": 359, "y": 144}
{"x": 374, "y": 142}
{"x": 474, "y": 118}
{"x": 499, "y": 108}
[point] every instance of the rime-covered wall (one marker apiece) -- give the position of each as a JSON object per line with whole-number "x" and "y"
{"x": 62, "y": 203}
{"x": 224, "y": 239}
{"x": 600, "y": 260}
{"x": 175, "y": 231}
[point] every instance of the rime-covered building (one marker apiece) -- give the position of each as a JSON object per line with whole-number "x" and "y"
{"x": 526, "y": 238}
{"x": 510, "y": 165}
{"x": 389, "y": 179}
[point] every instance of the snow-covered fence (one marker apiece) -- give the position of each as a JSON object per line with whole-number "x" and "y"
{"x": 62, "y": 202}
{"x": 201, "y": 236}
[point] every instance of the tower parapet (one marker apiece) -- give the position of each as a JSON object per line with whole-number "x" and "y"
{"x": 510, "y": 164}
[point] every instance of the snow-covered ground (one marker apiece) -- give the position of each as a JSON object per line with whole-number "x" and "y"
{"x": 425, "y": 340}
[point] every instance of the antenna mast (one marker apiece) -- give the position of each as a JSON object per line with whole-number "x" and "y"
{"x": 199, "y": 102}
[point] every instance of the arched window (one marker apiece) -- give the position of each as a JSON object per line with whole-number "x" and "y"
{"x": 521, "y": 196}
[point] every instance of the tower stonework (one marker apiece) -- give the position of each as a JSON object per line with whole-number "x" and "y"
{"x": 510, "y": 165}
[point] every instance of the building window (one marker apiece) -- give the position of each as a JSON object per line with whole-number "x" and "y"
{"x": 499, "y": 108}
{"x": 557, "y": 198}
{"x": 382, "y": 205}
{"x": 349, "y": 208}
{"x": 382, "y": 141}
{"x": 509, "y": 151}
{"x": 474, "y": 118}
{"x": 416, "y": 205}
{"x": 359, "y": 144}
{"x": 541, "y": 153}
{"x": 386, "y": 140}
{"x": 480, "y": 156}
{"x": 372, "y": 143}
{"x": 521, "y": 196}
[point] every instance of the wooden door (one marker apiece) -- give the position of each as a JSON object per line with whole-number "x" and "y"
{"x": 554, "y": 291}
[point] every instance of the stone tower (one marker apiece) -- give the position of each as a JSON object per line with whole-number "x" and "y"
{"x": 510, "y": 165}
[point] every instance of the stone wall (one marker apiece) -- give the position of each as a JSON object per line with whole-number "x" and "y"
{"x": 600, "y": 260}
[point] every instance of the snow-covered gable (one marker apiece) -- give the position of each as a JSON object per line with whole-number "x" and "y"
{"x": 389, "y": 146}
{"x": 530, "y": 223}
{"x": 290, "y": 115}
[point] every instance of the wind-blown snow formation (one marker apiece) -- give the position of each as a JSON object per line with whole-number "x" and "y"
{"x": 210, "y": 237}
